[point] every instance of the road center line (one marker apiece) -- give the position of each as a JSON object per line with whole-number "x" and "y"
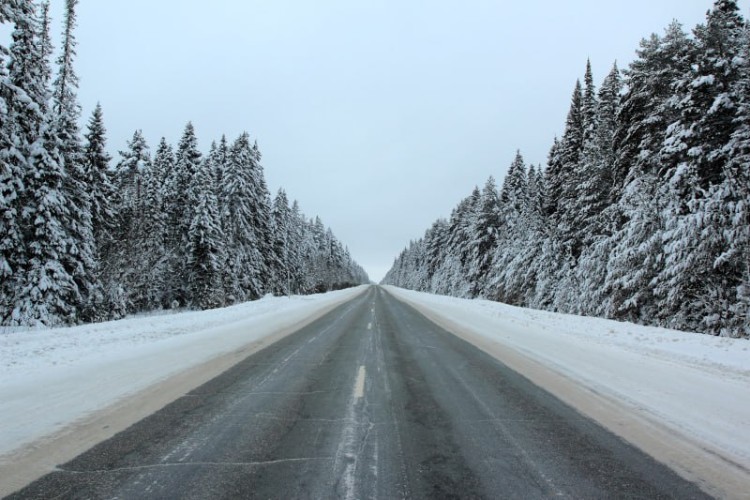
{"x": 369, "y": 326}
{"x": 359, "y": 385}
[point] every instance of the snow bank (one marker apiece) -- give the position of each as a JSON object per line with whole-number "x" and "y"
{"x": 695, "y": 385}
{"x": 51, "y": 378}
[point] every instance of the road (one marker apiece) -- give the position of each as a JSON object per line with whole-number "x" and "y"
{"x": 370, "y": 401}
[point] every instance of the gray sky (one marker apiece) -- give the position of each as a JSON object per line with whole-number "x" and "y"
{"x": 379, "y": 116}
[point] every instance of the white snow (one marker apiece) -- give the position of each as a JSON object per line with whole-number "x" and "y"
{"x": 52, "y": 378}
{"x": 696, "y": 385}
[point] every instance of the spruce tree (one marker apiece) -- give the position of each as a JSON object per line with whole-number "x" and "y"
{"x": 435, "y": 248}
{"x": 205, "y": 242}
{"x": 126, "y": 258}
{"x": 153, "y": 232}
{"x": 484, "y": 238}
{"x": 245, "y": 263}
{"x": 300, "y": 273}
{"x": 459, "y": 238}
{"x": 96, "y": 161}
{"x": 46, "y": 291}
{"x": 181, "y": 203}
{"x": 109, "y": 303}
{"x": 562, "y": 182}
{"x": 261, "y": 221}
{"x": 11, "y": 188}
{"x": 66, "y": 108}
{"x": 81, "y": 259}
{"x": 596, "y": 169}
{"x": 283, "y": 239}
{"x": 514, "y": 207}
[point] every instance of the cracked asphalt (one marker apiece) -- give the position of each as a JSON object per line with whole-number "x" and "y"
{"x": 370, "y": 401}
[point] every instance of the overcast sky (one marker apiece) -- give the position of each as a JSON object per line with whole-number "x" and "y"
{"x": 379, "y": 116}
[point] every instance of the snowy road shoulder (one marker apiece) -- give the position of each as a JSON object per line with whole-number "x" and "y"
{"x": 682, "y": 397}
{"x": 51, "y": 379}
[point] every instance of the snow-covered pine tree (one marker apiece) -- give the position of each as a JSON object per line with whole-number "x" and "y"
{"x": 81, "y": 259}
{"x": 11, "y": 173}
{"x": 126, "y": 257}
{"x": 513, "y": 209}
{"x": 584, "y": 192}
{"x": 484, "y": 239}
{"x": 459, "y": 239}
{"x": 96, "y": 162}
{"x": 597, "y": 164}
{"x": 205, "y": 242}
{"x": 180, "y": 206}
{"x": 318, "y": 254}
{"x": 153, "y": 231}
{"x": 583, "y": 189}
{"x": 46, "y": 291}
{"x": 525, "y": 266}
{"x": 436, "y": 240}
{"x": 335, "y": 262}
{"x": 244, "y": 261}
{"x": 282, "y": 240}
{"x": 262, "y": 217}
{"x": 110, "y": 303}
{"x": 594, "y": 202}
{"x": 562, "y": 182}
{"x": 549, "y": 261}
{"x": 300, "y": 273}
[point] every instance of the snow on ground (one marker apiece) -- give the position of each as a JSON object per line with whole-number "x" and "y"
{"x": 59, "y": 376}
{"x": 697, "y": 385}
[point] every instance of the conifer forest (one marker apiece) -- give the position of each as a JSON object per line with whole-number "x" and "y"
{"x": 642, "y": 212}
{"x": 86, "y": 237}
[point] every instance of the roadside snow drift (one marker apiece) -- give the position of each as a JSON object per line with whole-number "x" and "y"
{"x": 695, "y": 386}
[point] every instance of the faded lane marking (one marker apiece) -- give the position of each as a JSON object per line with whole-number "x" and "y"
{"x": 369, "y": 326}
{"x": 359, "y": 385}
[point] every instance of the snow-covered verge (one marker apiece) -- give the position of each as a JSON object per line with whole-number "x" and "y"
{"x": 52, "y": 378}
{"x": 695, "y": 386}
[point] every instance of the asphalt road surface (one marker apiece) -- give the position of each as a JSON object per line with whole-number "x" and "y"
{"x": 370, "y": 401}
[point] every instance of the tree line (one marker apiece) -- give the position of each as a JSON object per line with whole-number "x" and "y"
{"x": 84, "y": 240}
{"x": 642, "y": 212}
